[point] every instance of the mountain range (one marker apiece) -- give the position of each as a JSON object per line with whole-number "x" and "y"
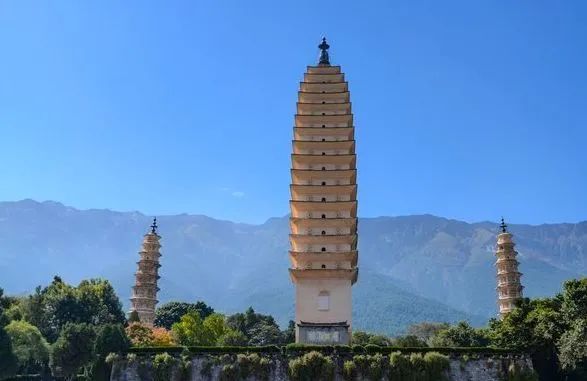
{"x": 412, "y": 268}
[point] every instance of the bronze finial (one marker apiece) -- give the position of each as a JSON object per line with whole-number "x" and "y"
{"x": 154, "y": 226}
{"x": 324, "y": 58}
{"x": 503, "y": 226}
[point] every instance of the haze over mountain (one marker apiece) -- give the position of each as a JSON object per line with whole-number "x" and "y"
{"x": 412, "y": 268}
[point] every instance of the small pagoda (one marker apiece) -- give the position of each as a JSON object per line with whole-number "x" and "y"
{"x": 144, "y": 292}
{"x": 509, "y": 285}
{"x": 323, "y": 206}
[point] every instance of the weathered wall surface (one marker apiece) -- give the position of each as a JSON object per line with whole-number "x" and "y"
{"x": 224, "y": 368}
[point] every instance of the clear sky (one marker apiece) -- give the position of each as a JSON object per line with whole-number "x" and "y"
{"x": 464, "y": 109}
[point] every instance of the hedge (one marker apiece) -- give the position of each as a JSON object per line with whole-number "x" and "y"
{"x": 296, "y": 349}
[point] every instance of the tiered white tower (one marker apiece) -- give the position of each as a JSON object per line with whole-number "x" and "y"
{"x": 144, "y": 292}
{"x": 323, "y": 206}
{"x": 509, "y": 285}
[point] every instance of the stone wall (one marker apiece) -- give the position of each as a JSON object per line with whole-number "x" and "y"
{"x": 228, "y": 367}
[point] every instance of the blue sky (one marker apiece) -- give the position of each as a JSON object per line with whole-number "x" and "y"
{"x": 464, "y": 109}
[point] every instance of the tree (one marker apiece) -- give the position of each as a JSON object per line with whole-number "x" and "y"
{"x": 73, "y": 350}
{"x": 572, "y": 348}
{"x": 265, "y": 334}
{"x": 255, "y": 327}
{"x": 110, "y": 338}
{"x": 139, "y": 334}
{"x": 460, "y": 335}
{"x": 289, "y": 335}
{"x": 133, "y": 317}
{"x": 171, "y": 313}
{"x": 162, "y": 337}
{"x": 360, "y": 338}
{"x": 92, "y": 301}
{"x": 426, "y": 330}
{"x": 8, "y": 360}
{"x": 29, "y": 346}
{"x": 232, "y": 338}
{"x": 190, "y": 331}
{"x": 409, "y": 341}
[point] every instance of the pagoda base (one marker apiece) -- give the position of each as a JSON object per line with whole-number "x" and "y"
{"x": 323, "y": 333}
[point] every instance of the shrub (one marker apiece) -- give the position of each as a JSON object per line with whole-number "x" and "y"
{"x": 358, "y": 349}
{"x": 418, "y": 366}
{"x": 372, "y": 348}
{"x": 370, "y": 367}
{"x": 162, "y": 337}
{"x": 139, "y": 334}
{"x": 312, "y": 366}
{"x": 253, "y": 364}
{"x": 349, "y": 370}
{"x": 163, "y": 366}
{"x": 436, "y": 366}
{"x": 228, "y": 373}
{"x": 400, "y": 367}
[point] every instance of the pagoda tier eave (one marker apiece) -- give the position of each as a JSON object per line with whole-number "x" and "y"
{"x": 328, "y": 256}
{"x": 318, "y": 274}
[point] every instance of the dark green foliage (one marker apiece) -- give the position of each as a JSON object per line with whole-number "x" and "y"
{"x": 552, "y": 330}
{"x": 8, "y": 360}
{"x": 259, "y": 329}
{"x": 399, "y": 366}
{"x": 253, "y": 365}
{"x": 313, "y": 366}
{"x": 371, "y": 367}
{"x": 233, "y": 339}
{"x": 460, "y": 335}
{"x": 92, "y": 301}
{"x": 170, "y": 313}
{"x": 111, "y": 338}
{"x": 73, "y": 351}
{"x": 436, "y": 366}
{"x": 289, "y": 335}
{"x": 133, "y": 317}
{"x": 364, "y": 338}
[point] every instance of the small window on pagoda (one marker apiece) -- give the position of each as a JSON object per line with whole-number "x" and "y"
{"x": 323, "y": 199}
{"x": 323, "y": 126}
{"x": 324, "y": 216}
{"x": 323, "y": 301}
{"x": 323, "y": 102}
{"x": 323, "y": 249}
{"x": 323, "y": 168}
{"x": 323, "y": 113}
{"x": 323, "y": 139}
{"x": 323, "y": 182}
{"x": 323, "y": 232}
{"x": 323, "y": 153}
{"x": 323, "y": 266}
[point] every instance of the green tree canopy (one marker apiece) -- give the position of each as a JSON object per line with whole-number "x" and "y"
{"x": 257, "y": 328}
{"x": 8, "y": 360}
{"x": 73, "y": 351}
{"x": 460, "y": 335}
{"x": 171, "y": 313}
{"x": 29, "y": 346}
{"x": 426, "y": 330}
{"x": 92, "y": 301}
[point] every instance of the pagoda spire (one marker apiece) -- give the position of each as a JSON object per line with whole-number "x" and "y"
{"x": 144, "y": 292}
{"x": 324, "y": 57}
{"x": 503, "y": 226}
{"x": 509, "y": 285}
